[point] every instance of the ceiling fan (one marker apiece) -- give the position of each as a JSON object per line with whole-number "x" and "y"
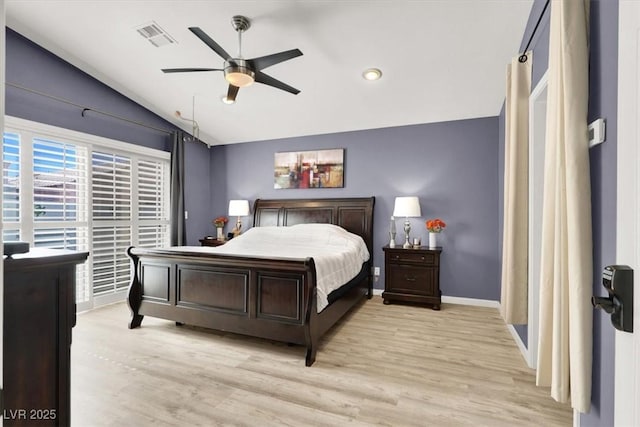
{"x": 240, "y": 72}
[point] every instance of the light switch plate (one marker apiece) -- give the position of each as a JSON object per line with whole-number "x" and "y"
{"x": 597, "y": 132}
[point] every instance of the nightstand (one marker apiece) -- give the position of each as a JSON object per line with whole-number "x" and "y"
{"x": 412, "y": 275}
{"x": 211, "y": 241}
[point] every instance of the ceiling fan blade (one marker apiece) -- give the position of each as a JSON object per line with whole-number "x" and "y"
{"x": 270, "y": 81}
{"x": 232, "y": 93}
{"x": 269, "y": 60}
{"x": 209, "y": 42}
{"x": 188, "y": 70}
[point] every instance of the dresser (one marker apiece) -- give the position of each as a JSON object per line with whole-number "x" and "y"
{"x": 412, "y": 275}
{"x": 39, "y": 312}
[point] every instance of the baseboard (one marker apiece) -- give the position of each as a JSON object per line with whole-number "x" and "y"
{"x": 519, "y": 343}
{"x": 471, "y": 301}
{"x": 459, "y": 300}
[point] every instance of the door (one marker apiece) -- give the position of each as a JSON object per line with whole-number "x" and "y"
{"x": 627, "y": 359}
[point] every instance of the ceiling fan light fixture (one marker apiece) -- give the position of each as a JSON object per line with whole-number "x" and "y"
{"x": 239, "y": 79}
{"x": 226, "y": 100}
{"x": 238, "y": 73}
{"x": 372, "y": 74}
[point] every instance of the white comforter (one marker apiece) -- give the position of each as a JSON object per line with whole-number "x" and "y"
{"x": 338, "y": 255}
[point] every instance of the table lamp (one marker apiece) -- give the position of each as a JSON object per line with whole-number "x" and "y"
{"x": 238, "y": 208}
{"x": 408, "y": 207}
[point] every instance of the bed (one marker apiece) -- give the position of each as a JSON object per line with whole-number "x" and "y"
{"x": 272, "y": 298}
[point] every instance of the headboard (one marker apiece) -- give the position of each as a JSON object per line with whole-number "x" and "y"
{"x": 353, "y": 214}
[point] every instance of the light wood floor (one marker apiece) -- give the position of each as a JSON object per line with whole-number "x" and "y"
{"x": 392, "y": 365}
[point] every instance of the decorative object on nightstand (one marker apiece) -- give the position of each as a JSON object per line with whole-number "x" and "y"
{"x": 412, "y": 275}
{"x": 238, "y": 208}
{"x": 211, "y": 241}
{"x": 392, "y": 233}
{"x": 219, "y": 224}
{"x": 408, "y": 207}
{"x": 434, "y": 226}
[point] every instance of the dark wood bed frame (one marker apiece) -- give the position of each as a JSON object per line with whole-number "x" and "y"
{"x": 268, "y": 298}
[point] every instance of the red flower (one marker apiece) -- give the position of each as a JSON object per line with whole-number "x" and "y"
{"x": 435, "y": 225}
{"x": 220, "y": 221}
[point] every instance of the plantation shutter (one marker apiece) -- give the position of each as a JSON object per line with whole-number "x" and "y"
{"x": 66, "y": 189}
{"x": 153, "y": 203}
{"x": 11, "y": 185}
{"x": 111, "y": 190}
{"x": 57, "y": 208}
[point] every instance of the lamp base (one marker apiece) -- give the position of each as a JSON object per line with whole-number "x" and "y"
{"x": 407, "y": 230}
{"x": 237, "y": 229}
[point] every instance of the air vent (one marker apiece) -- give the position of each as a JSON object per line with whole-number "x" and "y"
{"x": 155, "y": 34}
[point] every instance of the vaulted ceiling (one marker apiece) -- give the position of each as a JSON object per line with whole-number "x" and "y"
{"x": 441, "y": 59}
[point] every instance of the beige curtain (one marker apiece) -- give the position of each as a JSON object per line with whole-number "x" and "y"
{"x": 565, "y": 339}
{"x": 514, "y": 296}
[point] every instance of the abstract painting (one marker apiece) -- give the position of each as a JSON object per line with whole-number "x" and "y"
{"x": 309, "y": 169}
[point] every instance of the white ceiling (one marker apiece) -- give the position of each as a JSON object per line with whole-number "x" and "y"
{"x": 441, "y": 59}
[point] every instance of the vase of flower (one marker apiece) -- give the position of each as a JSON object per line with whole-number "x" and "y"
{"x": 219, "y": 224}
{"x": 434, "y": 227}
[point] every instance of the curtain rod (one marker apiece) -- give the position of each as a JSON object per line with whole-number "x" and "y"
{"x": 85, "y": 108}
{"x": 523, "y": 58}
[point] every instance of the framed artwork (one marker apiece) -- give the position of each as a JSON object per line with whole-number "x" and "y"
{"x": 309, "y": 169}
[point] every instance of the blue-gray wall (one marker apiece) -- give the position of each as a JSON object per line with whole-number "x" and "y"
{"x": 603, "y": 95}
{"x": 31, "y": 66}
{"x": 451, "y": 166}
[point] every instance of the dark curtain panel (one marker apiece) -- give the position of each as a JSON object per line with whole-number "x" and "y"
{"x": 178, "y": 226}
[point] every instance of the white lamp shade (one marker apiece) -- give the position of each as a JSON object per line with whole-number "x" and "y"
{"x": 238, "y": 207}
{"x": 407, "y": 207}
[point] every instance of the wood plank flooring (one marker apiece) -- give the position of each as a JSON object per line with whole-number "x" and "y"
{"x": 389, "y": 365}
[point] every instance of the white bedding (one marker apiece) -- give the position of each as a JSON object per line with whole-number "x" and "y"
{"x": 338, "y": 255}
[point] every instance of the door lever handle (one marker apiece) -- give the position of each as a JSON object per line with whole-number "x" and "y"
{"x": 605, "y": 303}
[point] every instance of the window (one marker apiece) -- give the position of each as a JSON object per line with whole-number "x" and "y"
{"x": 64, "y": 189}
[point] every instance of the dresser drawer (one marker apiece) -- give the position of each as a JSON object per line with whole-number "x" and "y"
{"x": 408, "y": 256}
{"x": 412, "y": 279}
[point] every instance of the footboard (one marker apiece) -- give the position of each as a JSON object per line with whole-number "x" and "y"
{"x": 267, "y": 298}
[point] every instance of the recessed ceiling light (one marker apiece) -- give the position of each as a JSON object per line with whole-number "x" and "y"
{"x": 372, "y": 74}
{"x": 227, "y": 101}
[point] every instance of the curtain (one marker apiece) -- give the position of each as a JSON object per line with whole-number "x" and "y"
{"x": 514, "y": 296}
{"x": 178, "y": 226}
{"x": 565, "y": 340}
